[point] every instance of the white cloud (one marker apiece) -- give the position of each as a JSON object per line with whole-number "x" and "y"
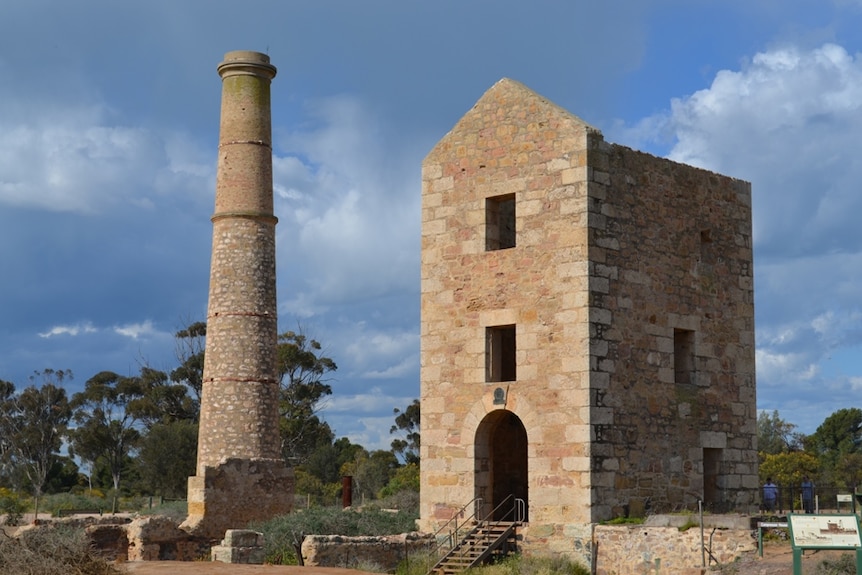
{"x": 78, "y": 159}
{"x": 348, "y": 218}
{"x": 788, "y": 121}
{"x": 373, "y": 402}
{"x": 73, "y": 330}
{"x": 138, "y": 330}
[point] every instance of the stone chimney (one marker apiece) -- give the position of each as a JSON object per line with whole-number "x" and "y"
{"x": 240, "y": 474}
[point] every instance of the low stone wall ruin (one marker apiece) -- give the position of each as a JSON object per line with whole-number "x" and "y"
{"x": 385, "y": 552}
{"x": 636, "y": 549}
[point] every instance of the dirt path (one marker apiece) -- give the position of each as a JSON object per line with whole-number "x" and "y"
{"x": 777, "y": 560}
{"x": 217, "y": 568}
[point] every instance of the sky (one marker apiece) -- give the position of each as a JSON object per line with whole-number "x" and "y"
{"x": 109, "y": 117}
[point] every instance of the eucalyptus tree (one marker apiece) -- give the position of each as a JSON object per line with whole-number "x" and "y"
{"x": 837, "y": 442}
{"x": 161, "y": 400}
{"x": 33, "y": 424}
{"x": 407, "y": 423}
{"x": 190, "y": 349}
{"x": 106, "y": 429}
{"x": 302, "y": 370}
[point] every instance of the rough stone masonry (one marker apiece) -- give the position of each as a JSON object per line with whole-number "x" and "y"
{"x": 587, "y": 328}
{"x": 240, "y": 475}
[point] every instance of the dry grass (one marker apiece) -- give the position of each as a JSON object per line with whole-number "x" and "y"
{"x": 51, "y": 550}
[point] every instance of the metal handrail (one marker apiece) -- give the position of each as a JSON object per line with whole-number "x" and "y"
{"x": 518, "y": 513}
{"x": 476, "y": 502}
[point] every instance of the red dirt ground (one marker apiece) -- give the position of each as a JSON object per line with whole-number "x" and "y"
{"x": 777, "y": 560}
{"x": 217, "y": 568}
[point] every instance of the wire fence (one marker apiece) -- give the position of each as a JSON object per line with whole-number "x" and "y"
{"x": 827, "y": 499}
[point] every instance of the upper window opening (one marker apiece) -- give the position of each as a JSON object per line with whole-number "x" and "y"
{"x": 500, "y": 353}
{"x": 500, "y": 222}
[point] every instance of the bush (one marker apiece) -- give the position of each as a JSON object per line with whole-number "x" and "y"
{"x": 12, "y": 506}
{"x": 406, "y": 500}
{"x": 512, "y": 565}
{"x": 65, "y": 501}
{"x": 59, "y": 550}
{"x": 624, "y": 521}
{"x": 283, "y": 535}
{"x": 533, "y": 565}
{"x": 176, "y": 510}
{"x": 844, "y": 565}
{"x": 406, "y": 478}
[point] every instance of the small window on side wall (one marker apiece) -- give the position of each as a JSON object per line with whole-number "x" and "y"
{"x": 683, "y": 355}
{"x": 500, "y": 353}
{"x": 500, "y": 222}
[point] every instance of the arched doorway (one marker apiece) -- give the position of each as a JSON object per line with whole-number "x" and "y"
{"x": 501, "y": 464}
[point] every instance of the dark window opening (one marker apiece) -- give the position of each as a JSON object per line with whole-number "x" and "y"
{"x": 500, "y": 353}
{"x": 683, "y": 355}
{"x": 712, "y": 478}
{"x": 500, "y": 222}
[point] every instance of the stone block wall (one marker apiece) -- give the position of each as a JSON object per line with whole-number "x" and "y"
{"x": 386, "y": 552}
{"x": 632, "y": 550}
{"x": 670, "y": 274}
{"x": 237, "y": 492}
{"x": 538, "y": 153}
{"x": 623, "y": 283}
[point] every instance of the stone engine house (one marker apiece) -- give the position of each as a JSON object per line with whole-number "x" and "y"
{"x": 587, "y": 340}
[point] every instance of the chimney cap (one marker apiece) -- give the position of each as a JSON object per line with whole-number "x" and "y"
{"x": 246, "y": 62}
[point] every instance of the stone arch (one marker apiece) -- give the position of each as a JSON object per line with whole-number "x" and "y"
{"x": 500, "y": 460}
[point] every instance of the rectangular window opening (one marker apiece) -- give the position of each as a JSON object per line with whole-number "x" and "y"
{"x": 500, "y": 353}
{"x": 683, "y": 355}
{"x": 712, "y": 477}
{"x": 500, "y": 222}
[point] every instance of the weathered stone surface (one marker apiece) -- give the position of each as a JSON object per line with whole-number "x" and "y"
{"x": 239, "y": 401}
{"x": 236, "y": 493}
{"x": 110, "y": 541}
{"x": 627, "y": 291}
{"x": 643, "y": 549}
{"x": 240, "y": 546}
{"x": 385, "y": 552}
{"x": 158, "y": 538}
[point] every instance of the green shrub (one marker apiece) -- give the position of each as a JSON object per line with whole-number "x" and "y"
{"x": 625, "y": 521}
{"x": 688, "y": 525}
{"x": 406, "y": 478}
{"x": 532, "y": 565}
{"x": 283, "y": 535}
{"x": 405, "y": 500}
{"x": 12, "y": 506}
{"x": 57, "y": 502}
{"x": 844, "y": 565}
{"x": 176, "y": 510}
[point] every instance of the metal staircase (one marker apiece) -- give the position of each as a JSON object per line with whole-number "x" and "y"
{"x": 476, "y": 541}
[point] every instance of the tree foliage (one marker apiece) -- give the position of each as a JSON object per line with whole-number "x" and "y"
{"x": 161, "y": 400}
{"x": 839, "y": 434}
{"x": 407, "y": 423}
{"x": 167, "y": 456}
{"x": 190, "y": 348}
{"x": 774, "y": 435}
{"x": 371, "y": 472}
{"x": 33, "y": 424}
{"x": 302, "y": 368}
{"x": 789, "y": 467}
{"x": 105, "y": 427}
{"x": 405, "y": 478}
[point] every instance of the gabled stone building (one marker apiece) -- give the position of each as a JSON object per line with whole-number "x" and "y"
{"x": 587, "y": 339}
